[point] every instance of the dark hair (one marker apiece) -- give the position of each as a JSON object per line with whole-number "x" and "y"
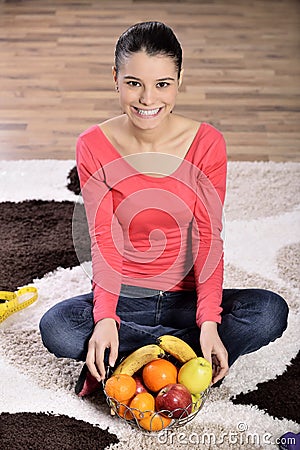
{"x": 155, "y": 38}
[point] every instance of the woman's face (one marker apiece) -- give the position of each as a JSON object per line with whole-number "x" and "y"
{"x": 148, "y": 87}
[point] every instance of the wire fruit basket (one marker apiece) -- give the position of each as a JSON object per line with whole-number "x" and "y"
{"x": 154, "y": 421}
{"x": 158, "y": 420}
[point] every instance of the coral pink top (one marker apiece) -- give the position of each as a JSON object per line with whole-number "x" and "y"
{"x": 157, "y": 232}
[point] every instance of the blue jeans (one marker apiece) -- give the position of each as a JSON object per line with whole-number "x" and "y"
{"x": 251, "y": 318}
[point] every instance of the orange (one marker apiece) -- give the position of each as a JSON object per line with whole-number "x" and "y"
{"x": 158, "y": 373}
{"x": 120, "y": 387}
{"x": 123, "y": 410}
{"x": 142, "y": 405}
{"x": 154, "y": 422}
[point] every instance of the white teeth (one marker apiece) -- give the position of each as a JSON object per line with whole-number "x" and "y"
{"x": 148, "y": 112}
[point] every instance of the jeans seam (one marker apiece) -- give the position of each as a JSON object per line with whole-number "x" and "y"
{"x": 158, "y": 309}
{"x": 140, "y": 331}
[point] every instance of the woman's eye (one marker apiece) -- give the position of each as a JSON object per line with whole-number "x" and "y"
{"x": 162, "y": 84}
{"x": 133, "y": 83}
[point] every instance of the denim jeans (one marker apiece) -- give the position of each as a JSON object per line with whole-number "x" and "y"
{"x": 251, "y": 318}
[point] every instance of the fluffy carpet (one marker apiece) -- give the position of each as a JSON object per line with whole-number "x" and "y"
{"x": 35, "y": 431}
{"x": 258, "y": 401}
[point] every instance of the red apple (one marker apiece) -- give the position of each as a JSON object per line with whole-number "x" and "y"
{"x": 139, "y": 384}
{"x": 176, "y": 398}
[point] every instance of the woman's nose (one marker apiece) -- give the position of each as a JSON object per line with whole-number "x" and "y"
{"x": 147, "y": 96}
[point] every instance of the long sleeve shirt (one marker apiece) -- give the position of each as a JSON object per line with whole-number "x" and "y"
{"x": 157, "y": 232}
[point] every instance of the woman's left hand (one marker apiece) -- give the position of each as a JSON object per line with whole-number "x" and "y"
{"x": 213, "y": 350}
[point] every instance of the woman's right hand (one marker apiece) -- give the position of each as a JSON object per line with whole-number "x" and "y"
{"x": 105, "y": 335}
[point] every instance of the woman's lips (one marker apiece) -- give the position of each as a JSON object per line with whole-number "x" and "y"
{"x": 147, "y": 113}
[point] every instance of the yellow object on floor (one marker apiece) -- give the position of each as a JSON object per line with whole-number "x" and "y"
{"x": 11, "y": 302}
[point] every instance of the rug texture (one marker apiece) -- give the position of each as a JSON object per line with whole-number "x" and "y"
{"x": 259, "y": 399}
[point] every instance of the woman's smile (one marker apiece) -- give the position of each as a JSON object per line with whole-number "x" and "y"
{"x": 147, "y": 113}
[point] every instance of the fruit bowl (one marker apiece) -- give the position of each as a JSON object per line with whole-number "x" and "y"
{"x": 149, "y": 421}
{"x": 158, "y": 386}
{"x": 158, "y": 420}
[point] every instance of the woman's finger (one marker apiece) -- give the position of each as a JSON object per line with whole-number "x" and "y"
{"x": 215, "y": 366}
{"x": 90, "y": 362}
{"x": 100, "y": 362}
{"x": 113, "y": 354}
{"x": 207, "y": 355}
{"x": 222, "y": 369}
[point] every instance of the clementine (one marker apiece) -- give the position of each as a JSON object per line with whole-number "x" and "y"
{"x": 155, "y": 422}
{"x": 123, "y": 410}
{"x": 158, "y": 373}
{"x": 142, "y": 405}
{"x": 120, "y": 387}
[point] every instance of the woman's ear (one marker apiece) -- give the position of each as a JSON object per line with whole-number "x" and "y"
{"x": 180, "y": 78}
{"x": 114, "y": 74}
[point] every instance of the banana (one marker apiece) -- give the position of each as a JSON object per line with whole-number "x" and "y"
{"x": 176, "y": 347}
{"x": 137, "y": 359}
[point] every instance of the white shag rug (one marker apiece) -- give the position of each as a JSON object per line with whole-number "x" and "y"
{"x": 262, "y": 235}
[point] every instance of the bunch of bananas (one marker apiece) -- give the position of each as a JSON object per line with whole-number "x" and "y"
{"x": 143, "y": 355}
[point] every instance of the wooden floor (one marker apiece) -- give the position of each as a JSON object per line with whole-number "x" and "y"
{"x": 241, "y": 58}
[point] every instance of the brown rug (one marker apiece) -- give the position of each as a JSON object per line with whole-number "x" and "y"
{"x": 36, "y": 239}
{"x": 279, "y": 397}
{"x": 40, "y": 431}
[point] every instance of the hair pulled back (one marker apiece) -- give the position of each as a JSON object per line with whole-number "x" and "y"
{"x": 154, "y": 38}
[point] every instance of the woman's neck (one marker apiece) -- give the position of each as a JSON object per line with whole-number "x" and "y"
{"x": 151, "y": 139}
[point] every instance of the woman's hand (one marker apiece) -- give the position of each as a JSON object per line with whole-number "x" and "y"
{"x": 105, "y": 335}
{"x": 213, "y": 350}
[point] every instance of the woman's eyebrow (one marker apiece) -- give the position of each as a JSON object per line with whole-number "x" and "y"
{"x": 131, "y": 77}
{"x": 166, "y": 78}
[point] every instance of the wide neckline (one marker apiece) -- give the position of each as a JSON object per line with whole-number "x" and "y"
{"x": 149, "y": 177}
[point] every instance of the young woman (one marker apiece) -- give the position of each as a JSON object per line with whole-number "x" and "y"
{"x": 153, "y": 184}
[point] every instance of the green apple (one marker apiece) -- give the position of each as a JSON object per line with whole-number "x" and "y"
{"x": 196, "y": 375}
{"x": 197, "y": 402}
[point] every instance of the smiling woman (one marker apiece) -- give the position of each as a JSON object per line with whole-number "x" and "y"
{"x": 148, "y": 87}
{"x": 156, "y": 243}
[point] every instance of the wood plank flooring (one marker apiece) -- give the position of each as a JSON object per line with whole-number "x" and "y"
{"x": 241, "y": 59}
